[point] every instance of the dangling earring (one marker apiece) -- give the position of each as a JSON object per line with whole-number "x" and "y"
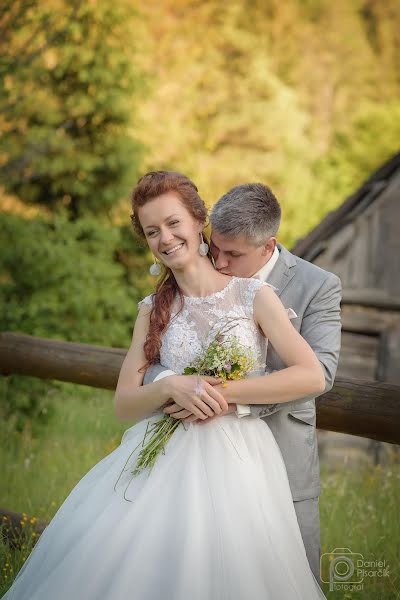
{"x": 203, "y": 248}
{"x": 155, "y": 268}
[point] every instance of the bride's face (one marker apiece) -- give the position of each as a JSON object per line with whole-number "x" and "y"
{"x": 171, "y": 232}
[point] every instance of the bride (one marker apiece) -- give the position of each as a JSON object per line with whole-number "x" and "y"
{"x": 214, "y": 519}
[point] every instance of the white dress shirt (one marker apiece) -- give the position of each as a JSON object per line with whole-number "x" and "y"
{"x": 265, "y": 271}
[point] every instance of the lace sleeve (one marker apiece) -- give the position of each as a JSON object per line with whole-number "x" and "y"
{"x": 249, "y": 290}
{"x": 147, "y": 301}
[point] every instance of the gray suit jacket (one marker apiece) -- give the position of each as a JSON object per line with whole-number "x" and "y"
{"x": 314, "y": 294}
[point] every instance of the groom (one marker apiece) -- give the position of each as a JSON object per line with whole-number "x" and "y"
{"x": 244, "y": 224}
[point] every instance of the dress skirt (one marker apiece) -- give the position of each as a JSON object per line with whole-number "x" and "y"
{"x": 213, "y": 520}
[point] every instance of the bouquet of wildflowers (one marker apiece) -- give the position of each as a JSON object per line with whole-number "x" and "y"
{"x": 225, "y": 357}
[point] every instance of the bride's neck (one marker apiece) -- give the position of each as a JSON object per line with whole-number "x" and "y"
{"x": 200, "y": 280}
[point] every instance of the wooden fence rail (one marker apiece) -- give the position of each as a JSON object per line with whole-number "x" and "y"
{"x": 365, "y": 408}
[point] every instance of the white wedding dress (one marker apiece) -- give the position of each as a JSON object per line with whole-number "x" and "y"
{"x": 214, "y": 520}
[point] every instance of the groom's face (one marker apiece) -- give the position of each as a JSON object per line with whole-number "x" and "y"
{"x": 236, "y": 256}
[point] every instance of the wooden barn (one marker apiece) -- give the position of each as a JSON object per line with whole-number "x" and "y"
{"x": 360, "y": 242}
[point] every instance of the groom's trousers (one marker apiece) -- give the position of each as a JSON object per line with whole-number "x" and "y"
{"x": 307, "y": 512}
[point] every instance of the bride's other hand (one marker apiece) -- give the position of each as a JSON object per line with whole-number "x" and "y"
{"x": 176, "y": 411}
{"x": 231, "y": 408}
{"x": 194, "y": 395}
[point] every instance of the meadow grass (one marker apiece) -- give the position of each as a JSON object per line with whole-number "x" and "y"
{"x": 360, "y": 511}
{"x": 359, "y": 507}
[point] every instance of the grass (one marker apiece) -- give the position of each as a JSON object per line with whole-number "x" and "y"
{"x": 359, "y": 508}
{"x": 360, "y": 511}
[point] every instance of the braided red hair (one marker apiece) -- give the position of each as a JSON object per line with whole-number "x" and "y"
{"x": 151, "y": 186}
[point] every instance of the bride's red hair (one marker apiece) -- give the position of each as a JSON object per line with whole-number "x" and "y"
{"x": 150, "y": 186}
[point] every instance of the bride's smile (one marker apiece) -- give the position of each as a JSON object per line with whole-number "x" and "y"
{"x": 171, "y": 232}
{"x": 174, "y": 249}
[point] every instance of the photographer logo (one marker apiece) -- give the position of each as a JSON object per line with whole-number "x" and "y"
{"x": 345, "y": 570}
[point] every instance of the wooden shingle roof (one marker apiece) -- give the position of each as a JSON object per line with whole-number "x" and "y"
{"x": 311, "y": 246}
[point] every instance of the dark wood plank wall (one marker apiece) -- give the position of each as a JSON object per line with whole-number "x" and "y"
{"x": 365, "y": 253}
{"x": 359, "y": 356}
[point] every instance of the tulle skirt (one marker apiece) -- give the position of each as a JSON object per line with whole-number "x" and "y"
{"x": 214, "y": 520}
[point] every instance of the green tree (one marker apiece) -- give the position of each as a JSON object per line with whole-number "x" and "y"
{"x": 78, "y": 281}
{"x": 350, "y": 161}
{"x": 67, "y": 103}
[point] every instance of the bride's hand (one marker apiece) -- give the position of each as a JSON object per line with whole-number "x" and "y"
{"x": 176, "y": 411}
{"x": 231, "y": 408}
{"x": 194, "y": 396}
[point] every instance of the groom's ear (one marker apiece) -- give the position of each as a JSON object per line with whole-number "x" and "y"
{"x": 269, "y": 247}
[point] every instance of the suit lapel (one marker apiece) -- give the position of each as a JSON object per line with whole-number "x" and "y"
{"x": 283, "y": 271}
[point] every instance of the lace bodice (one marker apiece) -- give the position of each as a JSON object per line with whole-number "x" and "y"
{"x": 191, "y": 330}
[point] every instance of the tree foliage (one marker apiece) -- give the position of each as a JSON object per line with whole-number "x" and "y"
{"x": 269, "y": 91}
{"x": 67, "y": 103}
{"x": 302, "y": 95}
{"x": 69, "y": 280}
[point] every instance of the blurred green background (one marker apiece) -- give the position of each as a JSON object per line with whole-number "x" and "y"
{"x": 303, "y": 95}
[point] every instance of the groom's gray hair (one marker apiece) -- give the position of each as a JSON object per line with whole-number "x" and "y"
{"x": 250, "y": 209}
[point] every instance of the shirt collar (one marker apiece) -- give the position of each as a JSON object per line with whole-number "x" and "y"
{"x": 265, "y": 271}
